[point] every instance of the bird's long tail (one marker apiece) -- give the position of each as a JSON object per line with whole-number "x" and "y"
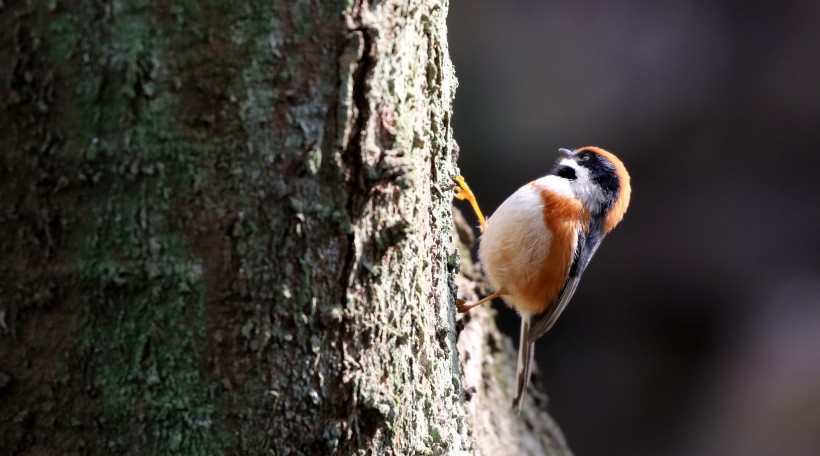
{"x": 525, "y": 353}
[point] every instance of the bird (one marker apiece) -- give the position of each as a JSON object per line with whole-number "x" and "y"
{"x": 537, "y": 244}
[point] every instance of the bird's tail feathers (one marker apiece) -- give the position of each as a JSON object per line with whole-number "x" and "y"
{"x": 525, "y": 354}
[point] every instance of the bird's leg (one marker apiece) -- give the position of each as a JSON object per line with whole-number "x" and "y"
{"x": 462, "y": 306}
{"x": 463, "y": 192}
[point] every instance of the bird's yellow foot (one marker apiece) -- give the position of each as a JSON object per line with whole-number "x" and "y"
{"x": 463, "y": 192}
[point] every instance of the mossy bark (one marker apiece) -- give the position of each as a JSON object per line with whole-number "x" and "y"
{"x": 225, "y": 229}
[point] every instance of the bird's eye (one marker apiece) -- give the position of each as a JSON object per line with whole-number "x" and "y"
{"x": 585, "y": 156}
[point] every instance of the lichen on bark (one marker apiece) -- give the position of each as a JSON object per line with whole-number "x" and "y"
{"x": 234, "y": 186}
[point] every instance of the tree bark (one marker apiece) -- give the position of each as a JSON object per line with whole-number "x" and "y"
{"x": 226, "y": 228}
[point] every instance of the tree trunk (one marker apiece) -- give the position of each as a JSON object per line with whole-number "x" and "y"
{"x": 226, "y": 228}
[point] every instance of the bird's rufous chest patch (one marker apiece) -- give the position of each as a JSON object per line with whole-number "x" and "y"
{"x": 563, "y": 216}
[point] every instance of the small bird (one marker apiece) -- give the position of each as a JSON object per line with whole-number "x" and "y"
{"x": 537, "y": 244}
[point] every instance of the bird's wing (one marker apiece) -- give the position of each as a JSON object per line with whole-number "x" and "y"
{"x": 541, "y": 323}
{"x": 587, "y": 245}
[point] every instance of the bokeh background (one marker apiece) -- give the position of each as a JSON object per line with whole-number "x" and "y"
{"x": 696, "y": 329}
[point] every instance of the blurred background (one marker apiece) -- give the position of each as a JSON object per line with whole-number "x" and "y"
{"x": 696, "y": 329}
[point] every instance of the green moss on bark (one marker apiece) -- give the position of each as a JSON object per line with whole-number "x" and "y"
{"x": 254, "y": 230}
{"x": 142, "y": 291}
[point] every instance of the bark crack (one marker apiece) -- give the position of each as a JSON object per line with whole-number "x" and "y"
{"x": 356, "y": 67}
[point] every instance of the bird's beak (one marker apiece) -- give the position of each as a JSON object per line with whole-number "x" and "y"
{"x": 566, "y": 152}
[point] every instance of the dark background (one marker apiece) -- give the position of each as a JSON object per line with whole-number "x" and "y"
{"x": 696, "y": 329}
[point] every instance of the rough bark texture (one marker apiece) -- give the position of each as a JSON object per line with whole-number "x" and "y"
{"x": 225, "y": 228}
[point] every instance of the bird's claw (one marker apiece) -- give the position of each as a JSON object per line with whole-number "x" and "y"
{"x": 460, "y": 306}
{"x": 463, "y": 192}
